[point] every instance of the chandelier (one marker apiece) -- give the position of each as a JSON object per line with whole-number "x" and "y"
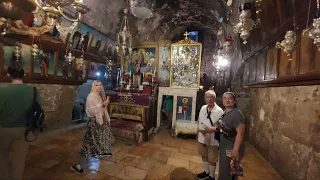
{"x": 246, "y": 23}
{"x": 124, "y": 38}
{"x": 12, "y": 12}
{"x": 142, "y": 8}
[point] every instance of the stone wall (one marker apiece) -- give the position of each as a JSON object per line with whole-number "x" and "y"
{"x": 57, "y": 102}
{"x": 285, "y": 129}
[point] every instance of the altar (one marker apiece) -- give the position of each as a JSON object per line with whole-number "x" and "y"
{"x": 185, "y": 63}
{"x": 131, "y": 115}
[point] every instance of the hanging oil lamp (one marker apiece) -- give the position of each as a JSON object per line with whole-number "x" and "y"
{"x": 35, "y": 50}
{"x": 315, "y": 31}
{"x": 288, "y": 45}
{"x": 17, "y": 52}
{"x": 69, "y": 58}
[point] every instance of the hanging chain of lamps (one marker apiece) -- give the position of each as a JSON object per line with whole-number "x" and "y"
{"x": 246, "y": 23}
{"x": 124, "y": 37}
{"x": 288, "y": 45}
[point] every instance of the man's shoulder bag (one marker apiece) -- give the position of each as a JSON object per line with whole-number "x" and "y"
{"x": 35, "y": 117}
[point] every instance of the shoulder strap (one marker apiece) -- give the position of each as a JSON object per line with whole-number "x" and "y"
{"x": 34, "y": 94}
{"x": 209, "y": 117}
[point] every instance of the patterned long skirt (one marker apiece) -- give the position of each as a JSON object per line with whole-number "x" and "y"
{"x": 97, "y": 140}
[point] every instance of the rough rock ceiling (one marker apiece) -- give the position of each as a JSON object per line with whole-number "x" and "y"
{"x": 172, "y": 17}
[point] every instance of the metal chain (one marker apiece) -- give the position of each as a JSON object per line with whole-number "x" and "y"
{"x": 309, "y": 13}
{"x": 294, "y": 14}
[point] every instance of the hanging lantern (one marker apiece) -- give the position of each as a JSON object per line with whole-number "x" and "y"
{"x": 246, "y": 23}
{"x": 35, "y": 50}
{"x": 17, "y": 52}
{"x": 315, "y": 31}
{"x": 69, "y": 58}
{"x": 289, "y": 43}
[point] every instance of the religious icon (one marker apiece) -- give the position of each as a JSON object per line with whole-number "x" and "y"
{"x": 65, "y": 69}
{"x": 76, "y": 39}
{"x": 44, "y": 65}
{"x": 84, "y": 44}
{"x": 185, "y": 108}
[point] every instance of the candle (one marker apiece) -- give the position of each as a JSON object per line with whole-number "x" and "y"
{"x": 139, "y": 80}
{"x": 118, "y": 77}
{"x": 143, "y": 75}
{"x": 133, "y": 79}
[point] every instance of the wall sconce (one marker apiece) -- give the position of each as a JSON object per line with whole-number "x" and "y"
{"x": 289, "y": 43}
{"x": 246, "y": 23}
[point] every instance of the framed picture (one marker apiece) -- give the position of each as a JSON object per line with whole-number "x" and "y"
{"x": 8, "y": 57}
{"x": 64, "y": 68}
{"x": 143, "y": 59}
{"x": 185, "y": 64}
{"x": 44, "y": 64}
{"x": 164, "y": 66}
{"x": 126, "y": 112}
{"x": 184, "y": 108}
{"x": 82, "y": 31}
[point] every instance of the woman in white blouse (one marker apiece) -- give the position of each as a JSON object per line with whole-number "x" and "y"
{"x": 98, "y": 137}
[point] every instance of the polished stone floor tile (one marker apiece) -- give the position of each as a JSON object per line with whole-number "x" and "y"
{"x": 161, "y": 158}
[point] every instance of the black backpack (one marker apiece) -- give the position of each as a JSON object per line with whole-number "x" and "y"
{"x": 35, "y": 117}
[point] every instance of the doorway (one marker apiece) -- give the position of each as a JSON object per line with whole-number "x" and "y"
{"x": 166, "y": 111}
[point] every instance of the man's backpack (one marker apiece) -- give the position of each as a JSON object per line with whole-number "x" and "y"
{"x": 35, "y": 117}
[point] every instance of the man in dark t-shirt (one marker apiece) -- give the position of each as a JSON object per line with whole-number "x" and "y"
{"x": 15, "y": 101}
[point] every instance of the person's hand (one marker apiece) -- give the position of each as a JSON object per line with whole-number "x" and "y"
{"x": 201, "y": 131}
{"x": 235, "y": 154}
{"x": 211, "y": 129}
{"x": 107, "y": 101}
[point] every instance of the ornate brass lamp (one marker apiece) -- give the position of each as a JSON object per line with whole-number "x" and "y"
{"x": 124, "y": 38}
{"x": 315, "y": 31}
{"x": 289, "y": 43}
{"x": 35, "y": 50}
{"x": 246, "y": 23}
{"x": 17, "y": 52}
{"x": 12, "y": 11}
{"x": 290, "y": 39}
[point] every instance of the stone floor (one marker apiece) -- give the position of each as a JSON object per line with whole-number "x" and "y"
{"x": 160, "y": 158}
